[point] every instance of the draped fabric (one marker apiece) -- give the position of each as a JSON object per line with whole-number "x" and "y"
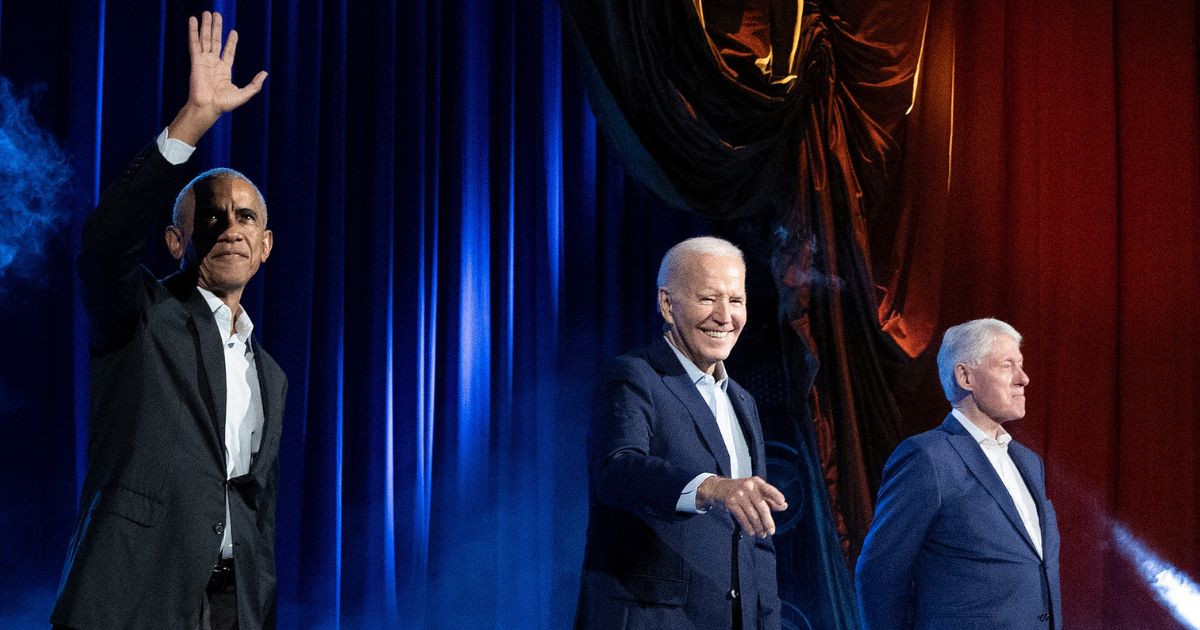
{"x": 1053, "y": 180}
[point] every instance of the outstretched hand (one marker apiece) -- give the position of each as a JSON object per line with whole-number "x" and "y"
{"x": 750, "y": 501}
{"x": 211, "y": 91}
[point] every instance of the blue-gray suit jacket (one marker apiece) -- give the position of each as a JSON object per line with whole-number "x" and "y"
{"x": 646, "y": 565}
{"x": 947, "y": 548}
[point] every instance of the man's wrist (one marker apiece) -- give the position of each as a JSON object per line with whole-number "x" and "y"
{"x": 191, "y": 123}
{"x": 704, "y": 494}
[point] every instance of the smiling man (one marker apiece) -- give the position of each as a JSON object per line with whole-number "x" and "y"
{"x": 964, "y": 536}
{"x": 680, "y": 524}
{"x": 176, "y": 524}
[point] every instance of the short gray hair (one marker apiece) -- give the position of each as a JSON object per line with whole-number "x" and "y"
{"x": 673, "y": 260}
{"x": 968, "y": 342}
{"x": 185, "y": 201}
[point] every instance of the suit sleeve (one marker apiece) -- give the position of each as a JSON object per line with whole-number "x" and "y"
{"x": 625, "y": 472}
{"x": 114, "y": 285}
{"x": 909, "y": 499}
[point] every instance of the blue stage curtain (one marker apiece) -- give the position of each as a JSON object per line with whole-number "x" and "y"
{"x": 456, "y": 254}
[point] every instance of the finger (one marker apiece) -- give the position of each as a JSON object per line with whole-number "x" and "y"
{"x": 771, "y": 493}
{"x": 254, "y": 86}
{"x": 764, "y": 517}
{"x": 205, "y": 32}
{"x": 246, "y": 93}
{"x": 230, "y": 48}
{"x": 752, "y": 517}
{"x": 193, "y": 36}
{"x": 740, "y": 515}
{"x": 257, "y": 83}
{"x": 216, "y": 32}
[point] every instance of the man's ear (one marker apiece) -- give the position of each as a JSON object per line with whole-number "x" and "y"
{"x": 176, "y": 241}
{"x": 963, "y": 377}
{"x": 664, "y": 305}
{"x": 268, "y": 243}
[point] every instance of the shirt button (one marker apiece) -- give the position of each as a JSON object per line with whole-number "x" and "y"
{"x": 219, "y": 529}
{"x": 732, "y": 594}
{"x": 1044, "y": 617}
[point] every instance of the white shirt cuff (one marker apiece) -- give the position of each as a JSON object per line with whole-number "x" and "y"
{"x": 687, "y": 498}
{"x": 174, "y": 150}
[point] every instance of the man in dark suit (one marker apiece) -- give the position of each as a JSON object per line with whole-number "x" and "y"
{"x": 680, "y": 515}
{"x": 177, "y": 516}
{"x": 964, "y": 536}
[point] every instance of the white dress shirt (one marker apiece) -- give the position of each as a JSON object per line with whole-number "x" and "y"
{"x": 243, "y": 399}
{"x": 997, "y": 453}
{"x": 714, "y": 389}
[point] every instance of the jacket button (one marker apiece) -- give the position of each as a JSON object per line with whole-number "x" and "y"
{"x": 219, "y": 529}
{"x": 732, "y": 594}
{"x": 1044, "y": 617}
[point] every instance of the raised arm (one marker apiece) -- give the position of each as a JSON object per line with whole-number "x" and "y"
{"x": 114, "y": 285}
{"x": 211, "y": 91}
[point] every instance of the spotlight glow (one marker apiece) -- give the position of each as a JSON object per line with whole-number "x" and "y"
{"x": 1173, "y": 588}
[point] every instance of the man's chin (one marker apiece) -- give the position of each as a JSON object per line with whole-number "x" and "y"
{"x": 222, "y": 285}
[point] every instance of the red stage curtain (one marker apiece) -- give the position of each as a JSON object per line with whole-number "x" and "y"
{"x": 1062, "y": 196}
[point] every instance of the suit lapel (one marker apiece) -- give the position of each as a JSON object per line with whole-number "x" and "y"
{"x": 680, "y": 384}
{"x": 212, "y": 359}
{"x": 270, "y": 383}
{"x": 979, "y": 465}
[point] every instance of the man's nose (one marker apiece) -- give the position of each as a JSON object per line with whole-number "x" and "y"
{"x": 1022, "y": 377}
{"x": 721, "y": 311}
{"x": 231, "y": 231}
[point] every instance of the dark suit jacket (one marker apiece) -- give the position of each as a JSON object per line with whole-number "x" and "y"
{"x": 152, "y": 512}
{"x": 947, "y": 548}
{"x": 646, "y": 565}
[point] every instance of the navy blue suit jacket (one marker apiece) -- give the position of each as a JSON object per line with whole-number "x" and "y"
{"x": 646, "y": 565}
{"x": 947, "y": 548}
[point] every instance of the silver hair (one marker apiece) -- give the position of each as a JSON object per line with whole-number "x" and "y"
{"x": 211, "y": 174}
{"x": 673, "y": 260}
{"x": 969, "y": 343}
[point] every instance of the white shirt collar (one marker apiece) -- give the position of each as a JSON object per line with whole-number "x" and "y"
{"x": 977, "y": 433}
{"x": 718, "y": 376}
{"x": 242, "y": 327}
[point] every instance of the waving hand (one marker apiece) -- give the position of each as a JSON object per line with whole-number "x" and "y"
{"x": 211, "y": 91}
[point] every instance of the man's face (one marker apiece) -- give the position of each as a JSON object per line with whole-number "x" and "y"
{"x": 998, "y": 382}
{"x": 227, "y": 235}
{"x": 705, "y": 307}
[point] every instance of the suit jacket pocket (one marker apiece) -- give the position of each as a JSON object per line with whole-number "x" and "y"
{"x": 142, "y": 509}
{"x": 648, "y": 589}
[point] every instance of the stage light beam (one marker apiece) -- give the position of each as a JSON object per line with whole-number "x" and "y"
{"x": 1177, "y": 592}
